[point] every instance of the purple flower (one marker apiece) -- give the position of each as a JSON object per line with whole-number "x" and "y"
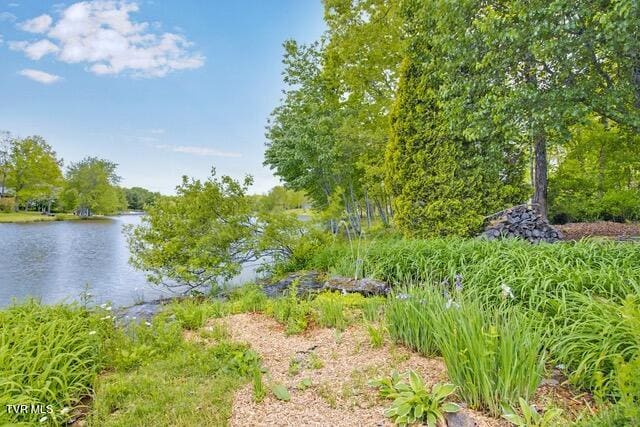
{"x": 458, "y": 282}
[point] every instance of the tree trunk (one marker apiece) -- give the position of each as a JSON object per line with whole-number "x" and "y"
{"x": 540, "y": 174}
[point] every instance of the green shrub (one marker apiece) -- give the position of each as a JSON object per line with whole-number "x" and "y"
{"x": 412, "y": 402}
{"x": 376, "y": 335}
{"x": 373, "y": 308}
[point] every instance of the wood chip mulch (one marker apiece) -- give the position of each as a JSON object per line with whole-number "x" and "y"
{"x": 339, "y": 365}
{"x": 615, "y": 230}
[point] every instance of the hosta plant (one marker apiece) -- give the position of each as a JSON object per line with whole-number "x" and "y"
{"x": 530, "y": 417}
{"x": 413, "y": 402}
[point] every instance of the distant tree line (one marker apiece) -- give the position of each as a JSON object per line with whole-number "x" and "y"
{"x": 432, "y": 115}
{"x": 32, "y": 178}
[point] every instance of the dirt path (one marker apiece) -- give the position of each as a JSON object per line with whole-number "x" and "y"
{"x": 338, "y": 365}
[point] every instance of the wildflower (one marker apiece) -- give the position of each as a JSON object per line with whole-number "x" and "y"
{"x": 43, "y": 419}
{"x": 458, "y": 282}
{"x": 445, "y": 293}
{"x": 92, "y": 332}
{"x": 108, "y": 308}
{"x": 103, "y": 305}
{"x": 147, "y": 323}
{"x": 65, "y": 410}
{"x": 445, "y": 282}
{"x": 560, "y": 366}
{"x": 506, "y": 291}
{"x": 105, "y": 318}
{"x": 451, "y": 303}
{"x": 402, "y": 296}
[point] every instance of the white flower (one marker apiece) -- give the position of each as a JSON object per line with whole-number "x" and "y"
{"x": 147, "y": 323}
{"x": 106, "y": 318}
{"x": 65, "y": 410}
{"x": 43, "y": 419}
{"x": 92, "y": 332}
{"x": 506, "y": 291}
{"x": 134, "y": 317}
{"x": 108, "y": 308}
{"x": 103, "y": 305}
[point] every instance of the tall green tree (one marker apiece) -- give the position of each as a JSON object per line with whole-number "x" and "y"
{"x": 92, "y": 187}
{"x": 532, "y": 69}
{"x": 138, "y": 198}
{"x": 35, "y": 171}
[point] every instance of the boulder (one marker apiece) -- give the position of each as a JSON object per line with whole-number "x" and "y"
{"x": 313, "y": 282}
{"x": 521, "y": 222}
{"x": 365, "y": 286}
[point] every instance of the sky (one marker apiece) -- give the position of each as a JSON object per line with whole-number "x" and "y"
{"x": 163, "y": 88}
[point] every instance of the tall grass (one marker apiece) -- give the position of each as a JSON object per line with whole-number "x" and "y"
{"x": 493, "y": 354}
{"x": 608, "y": 269}
{"x": 48, "y": 356}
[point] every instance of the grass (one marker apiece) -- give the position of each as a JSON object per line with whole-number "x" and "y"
{"x": 24, "y": 217}
{"x": 49, "y": 356}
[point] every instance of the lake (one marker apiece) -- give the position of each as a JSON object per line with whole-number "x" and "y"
{"x": 54, "y": 261}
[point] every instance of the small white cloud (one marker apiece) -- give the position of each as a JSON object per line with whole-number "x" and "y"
{"x": 7, "y": 16}
{"x": 40, "y": 76}
{"x": 1, "y": 39}
{"x": 198, "y": 151}
{"x": 102, "y": 34}
{"x": 39, "y": 24}
{"x": 35, "y": 50}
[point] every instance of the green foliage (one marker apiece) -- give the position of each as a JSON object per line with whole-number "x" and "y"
{"x": 91, "y": 187}
{"x": 259, "y": 389}
{"x": 530, "y": 417}
{"x": 597, "y": 175}
{"x": 376, "y": 335}
{"x": 198, "y": 238}
{"x": 247, "y": 298}
{"x": 49, "y": 356}
{"x": 442, "y": 183}
{"x": 35, "y": 170}
{"x": 290, "y": 311}
{"x": 281, "y": 392}
{"x": 330, "y": 311}
{"x": 280, "y": 198}
{"x": 608, "y": 332}
{"x": 138, "y": 198}
{"x": 413, "y": 402}
{"x": 192, "y": 313}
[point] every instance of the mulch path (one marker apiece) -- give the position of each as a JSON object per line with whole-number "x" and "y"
{"x": 339, "y": 394}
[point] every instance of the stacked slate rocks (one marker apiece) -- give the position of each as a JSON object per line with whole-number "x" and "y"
{"x": 523, "y": 223}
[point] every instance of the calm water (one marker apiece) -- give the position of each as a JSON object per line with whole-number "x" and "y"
{"x": 53, "y": 261}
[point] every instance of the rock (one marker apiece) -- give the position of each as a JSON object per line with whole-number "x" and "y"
{"x": 523, "y": 223}
{"x": 312, "y": 282}
{"x": 459, "y": 419}
{"x": 308, "y": 282}
{"x": 367, "y": 287}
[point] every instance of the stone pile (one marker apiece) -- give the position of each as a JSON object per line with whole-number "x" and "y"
{"x": 523, "y": 223}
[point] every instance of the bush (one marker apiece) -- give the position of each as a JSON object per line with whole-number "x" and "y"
{"x": 330, "y": 311}
{"x": 7, "y": 204}
{"x": 192, "y": 313}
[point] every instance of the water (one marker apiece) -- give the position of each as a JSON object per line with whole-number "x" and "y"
{"x": 54, "y": 261}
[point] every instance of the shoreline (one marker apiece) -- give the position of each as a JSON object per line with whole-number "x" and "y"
{"x": 32, "y": 217}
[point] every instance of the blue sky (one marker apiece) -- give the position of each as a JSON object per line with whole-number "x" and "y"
{"x": 163, "y": 88}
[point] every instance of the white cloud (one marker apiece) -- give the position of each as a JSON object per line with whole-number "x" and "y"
{"x": 13, "y": 4}
{"x": 7, "y": 16}
{"x": 102, "y": 34}
{"x": 157, "y": 131}
{"x": 39, "y": 24}
{"x": 35, "y": 50}
{"x": 198, "y": 151}
{"x": 40, "y": 76}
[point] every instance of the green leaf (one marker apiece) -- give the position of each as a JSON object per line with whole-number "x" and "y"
{"x": 450, "y": 407}
{"x": 281, "y": 392}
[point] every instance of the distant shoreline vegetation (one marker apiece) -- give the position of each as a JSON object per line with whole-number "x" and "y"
{"x": 32, "y": 181}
